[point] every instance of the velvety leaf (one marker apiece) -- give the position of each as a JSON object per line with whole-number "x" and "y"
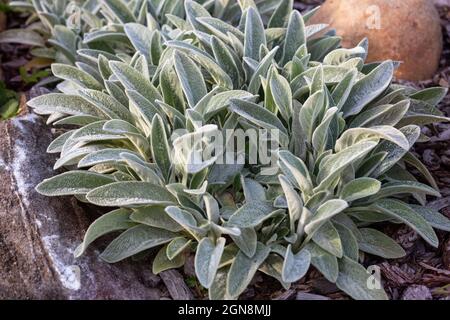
{"x": 73, "y": 182}
{"x": 353, "y": 279}
{"x": 155, "y": 216}
{"x": 109, "y": 222}
{"x": 243, "y": 269}
{"x": 191, "y": 78}
{"x": 360, "y": 188}
{"x": 207, "y": 260}
{"x": 130, "y": 194}
{"x": 404, "y": 213}
{"x": 296, "y": 265}
{"x": 375, "y": 242}
{"x": 135, "y": 240}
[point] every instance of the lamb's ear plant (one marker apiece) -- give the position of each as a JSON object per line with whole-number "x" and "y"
{"x": 344, "y": 138}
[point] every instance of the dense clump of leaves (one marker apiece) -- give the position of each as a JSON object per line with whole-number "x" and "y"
{"x": 345, "y": 134}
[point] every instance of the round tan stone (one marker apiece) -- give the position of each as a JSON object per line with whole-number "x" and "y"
{"x": 404, "y": 30}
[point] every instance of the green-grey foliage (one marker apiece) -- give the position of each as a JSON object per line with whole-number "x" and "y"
{"x": 180, "y": 72}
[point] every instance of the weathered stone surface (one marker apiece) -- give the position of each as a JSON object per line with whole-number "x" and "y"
{"x": 406, "y": 31}
{"x": 417, "y": 292}
{"x": 38, "y": 234}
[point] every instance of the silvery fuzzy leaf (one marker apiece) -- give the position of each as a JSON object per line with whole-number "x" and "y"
{"x": 171, "y": 88}
{"x": 295, "y": 169}
{"x": 122, "y": 127}
{"x": 220, "y": 28}
{"x": 222, "y": 100}
{"x": 295, "y": 36}
{"x": 349, "y": 241}
{"x": 246, "y": 241}
{"x": 327, "y": 237}
{"x": 187, "y": 220}
{"x": 310, "y": 111}
{"x": 104, "y": 36}
{"x": 222, "y": 174}
{"x": 377, "y": 243}
{"x": 353, "y": 279}
{"x": 422, "y": 113}
{"x": 116, "y": 91}
{"x": 142, "y": 169}
{"x": 244, "y": 268}
{"x": 251, "y": 214}
{"x": 225, "y": 59}
{"x": 67, "y": 104}
{"x": 109, "y": 222}
{"x": 190, "y": 77}
{"x": 254, "y": 34}
{"x": 273, "y": 267}
{"x": 103, "y": 67}
{"x": 105, "y": 156}
{"x": 212, "y": 208}
{"x": 64, "y": 40}
{"x": 141, "y": 37}
{"x": 354, "y": 135}
{"x": 202, "y": 104}
{"x": 107, "y": 104}
{"x": 71, "y": 157}
{"x": 388, "y": 115}
{"x": 433, "y": 217}
{"x": 320, "y": 134}
{"x": 207, "y": 259}
{"x": 368, "y": 88}
{"x": 336, "y": 163}
{"x": 404, "y": 213}
{"x": 412, "y": 160}
{"x": 155, "y": 216}
{"x": 160, "y": 147}
{"x": 93, "y": 55}
{"x": 294, "y": 202}
{"x": 253, "y": 190}
{"x": 73, "y": 182}
{"x": 360, "y": 188}
{"x": 129, "y": 194}
{"x": 261, "y": 70}
{"x": 161, "y": 262}
{"x": 280, "y": 16}
{"x": 282, "y": 95}
{"x": 22, "y": 36}
{"x": 177, "y": 246}
{"x": 403, "y": 187}
{"x": 339, "y": 56}
{"x": 217, "y": 291}
{"x": 94, "y": 132}
{"x": 431, "y": 96}
{"x": 296, "y": 265}
{"x": 75, "y": 120}
{"x": 133, "y": 80}
{"x": 205, "y": 60}
{"x": 56, "y": 145}
{"x": 319, "y": 47}
{"x": 135, "y": 240}
{"x": 323, "y": 261}
{"x": 394, "y": 152}
{"x": 76, "y": 75}
{"x": 317, "y": 82}
{"x": 257, "y": 114}
{"x": 324, "y": 213}
{"x": 142, "y": 110}
{"x": 120, "y": 10}
{"x": 343, "y": 89}
{"x": 317, "y": 199}
{"x": 195, "y": 10}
